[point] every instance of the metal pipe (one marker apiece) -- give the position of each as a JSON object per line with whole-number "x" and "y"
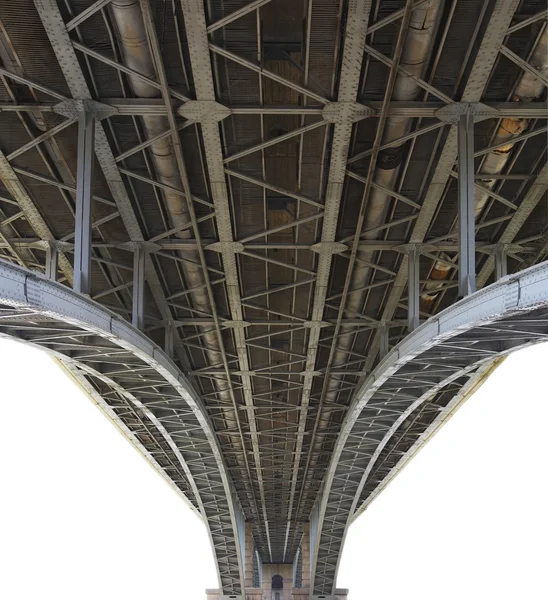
{"x": 415, "y": 55}
{"x": 137, "y": 56}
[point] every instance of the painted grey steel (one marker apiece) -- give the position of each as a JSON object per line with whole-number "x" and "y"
{"x": 152, "y": 106}
{"x": 225, "y": 541}
{"x": 195, "y": 24}
{"x": 467, "y": 206}
{"x": 140, "y": 379}
{"x": 352, "y": 56}
{"x": 413, "y": 291}
{"x": 52, "y": 261}
{"x": 501, "y": 261}
{"x": 492, "y": 322}
{"x": 274, "y": 272}
{"x": 534, "y": 195}
{"x": 492, "y": 40}
{"x": 84, "y": 190}
{"x": 138, "y": 312}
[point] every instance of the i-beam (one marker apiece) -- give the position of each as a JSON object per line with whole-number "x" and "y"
{"x": 465, "y": 159}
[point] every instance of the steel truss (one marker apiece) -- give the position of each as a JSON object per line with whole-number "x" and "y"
{"x": 428, "y": 367}
{"x": 141, "y": 388}
{"x": 255, "y": 294}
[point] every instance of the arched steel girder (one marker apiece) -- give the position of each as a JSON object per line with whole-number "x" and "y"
{"x": 142, "y": 389}
{"x": 440, "y": 357}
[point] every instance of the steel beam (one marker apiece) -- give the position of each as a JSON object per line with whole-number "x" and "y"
{"x": 52, "y": 261}
{"x": 501, "y": 261}
{"x": 237, "y": 14}
{"x": 467, "y": 229}
{"x": 86, "y": 14}
{"x": 84, "y": 184}
{"x": 543, "y": 14}
{"x": 152, "y": 106}
{"x": 138, "y": 312}
{"x": 333, "y": 522}
{"x": 132, "y": 367}
{"x": 219, "y": 492}
{"x": 384, "y": 332}
{"x": 523, "y": 64}
{"x": 534, "y": 195}
{"x": 19, "y": 192}
{"x": 357, "y": 19}
{"x": 457, "y": 341}
{"x": 413, "y": 289}
{"x": 195, "y": 24}
{"x": 495, "y": 33}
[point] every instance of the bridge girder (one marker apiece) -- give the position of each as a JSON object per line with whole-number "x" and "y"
{"x": 141, "y": 389}
{"x": 429, "y": 367}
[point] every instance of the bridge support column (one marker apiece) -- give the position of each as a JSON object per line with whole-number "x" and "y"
{"x": 413, "y": 287}
{"x": 467, "y": 232}
{"x": 138, "y": 310}
{"x": 384, "y": 337}
{"x": 168, "y": 341}
{"x": 52, "y": 261}
{"x": 84, "y": 186}
{"x": 87, "y": 112}
{"x": 501, "y": 261}
{"x": 464, "y": 115}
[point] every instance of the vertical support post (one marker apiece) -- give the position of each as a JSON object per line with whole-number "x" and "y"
{"x": 501, "y": 261}
{"x": 169, "y": 334}
{"x": 260, "y": 567}
{"x": 84, "y": 181}
{"x": 467, "y": 233}
{"x": 384, "y": 339}
{"x": 52, "y": 261}
{"x": 413, "y": 288}
{"x": 138, "y": 313}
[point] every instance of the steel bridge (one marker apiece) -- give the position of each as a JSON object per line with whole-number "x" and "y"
{"x": 279, "y": 242}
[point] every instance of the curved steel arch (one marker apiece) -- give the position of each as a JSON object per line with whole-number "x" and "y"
{"x": 142, "y": 388}
{"x": 445, "y": 351}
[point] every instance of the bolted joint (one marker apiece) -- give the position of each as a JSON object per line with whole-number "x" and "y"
{"x": 235, "y": 247}
{"x": 500, "y": 252}
{"x": 147, "y": 247}
{"x": 415, "y": 247}
{"x": 312, "y": 324}
{"x": 235, "y": 324}
{"x": 72, "y": 109}
{"x": 329, "y": 248}
{"x": 200, "y": 111}
{"x": 346, "y": 112}
{"x": 453, "y": 112}
{"x": 310, "y": 373}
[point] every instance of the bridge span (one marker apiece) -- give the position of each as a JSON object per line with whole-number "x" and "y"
{"x": 279, "y": 242}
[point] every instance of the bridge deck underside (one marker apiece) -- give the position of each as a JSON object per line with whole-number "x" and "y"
{"x": 275, "y": 377}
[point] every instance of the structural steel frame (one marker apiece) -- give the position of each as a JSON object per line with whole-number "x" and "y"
{"x": 260, "y": 439}
{"x": 446, "y": 350}
{"x": 144, "y": 391}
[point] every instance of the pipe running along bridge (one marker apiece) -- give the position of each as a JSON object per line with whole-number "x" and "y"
{"x": 278, "y": 242}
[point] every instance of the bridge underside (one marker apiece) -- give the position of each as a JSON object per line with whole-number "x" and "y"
{"x": 276, "y": 194}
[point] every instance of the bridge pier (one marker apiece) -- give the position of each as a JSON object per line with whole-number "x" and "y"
{"x": 277, "y": 581}
{"x": 284, "y": 594}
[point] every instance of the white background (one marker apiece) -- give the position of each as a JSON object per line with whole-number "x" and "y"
{"x": 83, "y": 516}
